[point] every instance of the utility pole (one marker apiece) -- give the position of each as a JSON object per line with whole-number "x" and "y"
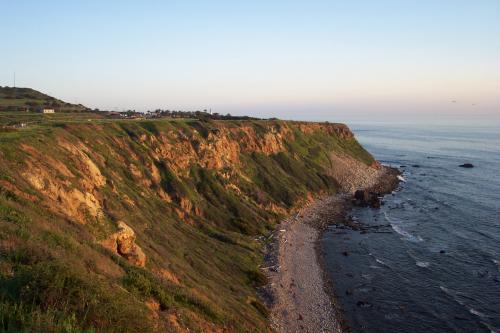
{"x": 15, "y": 91}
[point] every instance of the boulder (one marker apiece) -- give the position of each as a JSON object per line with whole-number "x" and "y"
{"x": 365, "y": 198}
{"x": 466, "y": 165}
{"x": 360, "y": 196}
{"x": 123, "y": 243}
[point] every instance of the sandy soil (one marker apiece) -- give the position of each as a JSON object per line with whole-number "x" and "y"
{"x": 298, "y": 290}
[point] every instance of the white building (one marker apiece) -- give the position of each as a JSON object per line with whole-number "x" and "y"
{"x": 48, "y": 111}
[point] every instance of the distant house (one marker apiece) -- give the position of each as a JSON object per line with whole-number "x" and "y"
{"x": 43, "y": 110}
{"x": 114, "y": 115}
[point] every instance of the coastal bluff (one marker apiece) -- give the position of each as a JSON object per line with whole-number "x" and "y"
{"x": 155, "y": 225}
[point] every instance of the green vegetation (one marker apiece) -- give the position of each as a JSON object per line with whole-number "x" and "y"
{"x": 23, "y": 99}
{"x": 198, "y": 194}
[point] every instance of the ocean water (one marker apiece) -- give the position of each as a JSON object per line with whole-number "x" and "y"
{"x": 431, "y": 261}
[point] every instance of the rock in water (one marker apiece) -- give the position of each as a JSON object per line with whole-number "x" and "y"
{"x": 365, "y": 198}
{"x": 466, "y": 165}
{"x": 360, "y": 196}
{"x": 364, "y": 304}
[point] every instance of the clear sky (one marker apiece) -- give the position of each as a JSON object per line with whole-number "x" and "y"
{"x": 308, "y": 59}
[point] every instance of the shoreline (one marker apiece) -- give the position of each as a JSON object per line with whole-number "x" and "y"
{"x": 300, "y": 293}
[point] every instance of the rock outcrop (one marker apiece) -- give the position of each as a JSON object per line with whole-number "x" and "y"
{"x": 366, "y": 198}
{"x": 123, "y": 243}
{"x": 56, "y": 181}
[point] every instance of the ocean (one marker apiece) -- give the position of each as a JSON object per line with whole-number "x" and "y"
{"x": 431, "y": 261}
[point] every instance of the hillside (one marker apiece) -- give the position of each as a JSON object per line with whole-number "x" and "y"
{"x": 152, "y": 225}
{"x": 22, "y": 99}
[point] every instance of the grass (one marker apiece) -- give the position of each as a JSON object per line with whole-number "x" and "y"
{"x": 50, "y": 297}
{"x": 18, "y": 99}
{"x": 54, "y": 275}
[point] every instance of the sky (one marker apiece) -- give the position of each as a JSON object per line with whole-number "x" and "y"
{"x": 308, "y": 59}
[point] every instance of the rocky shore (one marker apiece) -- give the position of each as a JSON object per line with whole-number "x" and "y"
{"x": 299, "y": 293}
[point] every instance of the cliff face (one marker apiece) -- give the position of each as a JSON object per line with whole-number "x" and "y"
{"x": 154, "y": 225}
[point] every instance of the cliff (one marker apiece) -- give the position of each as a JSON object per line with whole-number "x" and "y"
{"x": 127, "y": 226}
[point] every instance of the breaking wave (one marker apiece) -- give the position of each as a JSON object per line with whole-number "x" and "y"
{"x": 406, "y": 235}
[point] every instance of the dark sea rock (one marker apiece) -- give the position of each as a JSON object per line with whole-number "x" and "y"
{"x": 466, "y": 165}
{"x": 364, "y": 198}
{"x": 364, "y": 304}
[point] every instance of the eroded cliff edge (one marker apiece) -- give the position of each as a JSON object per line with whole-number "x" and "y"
{"x": 154, "y": 225}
